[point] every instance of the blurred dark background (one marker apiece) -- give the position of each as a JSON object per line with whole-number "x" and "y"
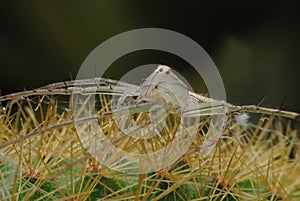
{"x": 254, "y": 44}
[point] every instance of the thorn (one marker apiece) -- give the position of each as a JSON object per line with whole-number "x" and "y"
{"x": 262, "y": 99}
{"x": 70, "y": 75}
{"x": 282, "y": 102}
{"x": 66, "y": 86}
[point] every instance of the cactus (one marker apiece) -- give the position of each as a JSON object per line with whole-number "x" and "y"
{"x": 43, "y": 158}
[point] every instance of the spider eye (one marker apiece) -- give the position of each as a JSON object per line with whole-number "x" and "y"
{"x": 160, "y": 70}
{"x": 168, "y": 72}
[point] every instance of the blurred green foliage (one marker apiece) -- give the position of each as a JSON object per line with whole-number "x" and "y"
{"x": 254, "y": 44}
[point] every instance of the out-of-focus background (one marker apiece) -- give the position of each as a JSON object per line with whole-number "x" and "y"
{"x": 255, "y": 45}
